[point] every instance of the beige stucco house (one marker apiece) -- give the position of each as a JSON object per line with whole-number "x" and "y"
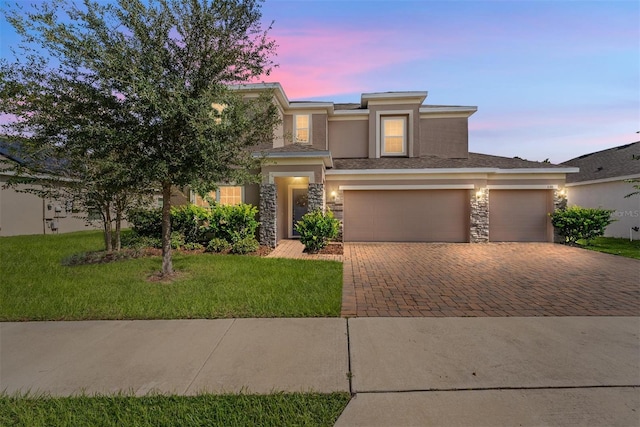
{"x": 393, "y": 168}
{"x": 603, "y": 183}
{"x": 24, "y": 213}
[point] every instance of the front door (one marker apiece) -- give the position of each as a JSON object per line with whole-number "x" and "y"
{"x": 299, "y": 202}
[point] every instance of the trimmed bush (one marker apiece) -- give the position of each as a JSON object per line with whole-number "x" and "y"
{"x": 578, "y": 223}
{"x": 146, "y": 222}
{"x": 218, "y": 245}
{"x": 316, "y": 229}
{"x": 192, "y": 224}
{"x": 177, "y": 240}
{"x": 191, "y": 221}
{"x": 245, "y": 246}
{"x": 233, "y": 223}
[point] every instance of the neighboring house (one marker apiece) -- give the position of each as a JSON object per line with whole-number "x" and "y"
{"x": 27, "y": 213}
{"x": 394, "y": 169}
{"x": 602, "y": 183}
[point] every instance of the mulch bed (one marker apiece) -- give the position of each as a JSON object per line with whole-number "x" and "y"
{"x": 331, "y": 249}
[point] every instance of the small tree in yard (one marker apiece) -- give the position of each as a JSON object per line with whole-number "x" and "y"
{"x": 164, "y": 70}
{"x": 316, "y": 229}
{"x": 578, "y": 223}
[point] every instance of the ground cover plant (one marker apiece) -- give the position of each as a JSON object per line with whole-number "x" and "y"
{"x": 36, "y": 286}
{"x": 613, "y": 245}
{"x": 283, "y": 409}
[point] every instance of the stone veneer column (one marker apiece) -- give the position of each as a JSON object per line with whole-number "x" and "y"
{"x": 336, "y": 205}
{"x": 559, "y": 202}
{"x": 268, "y": 210}
{"x": 316, "y": 197}
{"x": 479, "y": 228}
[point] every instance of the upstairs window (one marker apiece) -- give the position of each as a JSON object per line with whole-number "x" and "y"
{"x": 302, "y": 128}
{"x": 394, "y": 135}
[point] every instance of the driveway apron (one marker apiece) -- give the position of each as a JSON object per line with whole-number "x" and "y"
{"x": 493, "y": 279}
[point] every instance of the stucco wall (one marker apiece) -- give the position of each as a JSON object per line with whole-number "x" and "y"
{"x": 445, "y": 137}
{"x": 26, "y": 213}
{"x": 610, "y": 195}
{"x": 349, "y": 139}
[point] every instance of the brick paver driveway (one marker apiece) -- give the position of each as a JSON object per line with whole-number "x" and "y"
{"x": 494, "y": 279}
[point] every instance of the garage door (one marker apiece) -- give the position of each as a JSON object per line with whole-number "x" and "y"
{"x": 406, "y": 216}
{"x": 519, "y": 215}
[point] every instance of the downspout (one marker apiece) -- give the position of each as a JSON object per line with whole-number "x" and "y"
{"x": 44, "y": 220}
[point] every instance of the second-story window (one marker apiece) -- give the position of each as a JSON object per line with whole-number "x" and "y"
{"x": 302, "y": 128}
{"x": 394, "y": 135}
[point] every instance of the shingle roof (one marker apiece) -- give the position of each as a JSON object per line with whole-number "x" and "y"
{"x": 293, "y": 148}
{"x": 475, "y": 160}
{"x": 614, "y": 162}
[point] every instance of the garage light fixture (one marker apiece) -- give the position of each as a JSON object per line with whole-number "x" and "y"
{"x": 479, "y": 192}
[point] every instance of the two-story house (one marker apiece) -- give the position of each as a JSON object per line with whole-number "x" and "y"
{"x": 395, "y": 169}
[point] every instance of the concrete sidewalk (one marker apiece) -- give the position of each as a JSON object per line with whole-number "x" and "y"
{"x": 405, "y": 371}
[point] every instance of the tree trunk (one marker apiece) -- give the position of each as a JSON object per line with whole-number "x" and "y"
{"x": 167, "y": 265}
{"x": 117, "y": 245}
{"x": 107, "y": 227}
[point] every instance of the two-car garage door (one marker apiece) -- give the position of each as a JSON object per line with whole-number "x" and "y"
{"x": 406, "y": 216}
{"x": 443, "y": 215}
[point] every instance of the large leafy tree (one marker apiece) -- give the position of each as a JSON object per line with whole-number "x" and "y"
{"x": 160, "y": 76}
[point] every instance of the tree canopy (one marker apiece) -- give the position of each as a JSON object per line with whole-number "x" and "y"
{"x": 142, "y": 94}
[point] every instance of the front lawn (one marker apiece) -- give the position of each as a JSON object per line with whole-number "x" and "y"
{"x": 295, "y": 409}
{"x": 615, "y": 246}
{"x": 35, "y": 286}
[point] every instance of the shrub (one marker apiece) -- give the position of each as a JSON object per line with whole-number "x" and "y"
{"x": 218, "y": 245}
{"x": 190, "y": 246}
{"x": 316, "y": 229}
{"x": 146, "y": 222}
{"x": 245, "y": 246}
{"x": 177, "y": 240}
{"x": 191, "y": 221}
{"x": 576, "y": 223}
{"x": 194, "y": 224}
{"x": 233, "y": 223}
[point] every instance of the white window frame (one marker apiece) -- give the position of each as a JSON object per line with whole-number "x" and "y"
{"x": 408, "y": 137}
{"x": 295, "y": 128}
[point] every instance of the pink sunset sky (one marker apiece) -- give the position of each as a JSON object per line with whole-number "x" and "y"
{"x": 551, "y": 78}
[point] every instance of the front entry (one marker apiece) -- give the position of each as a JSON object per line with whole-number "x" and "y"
{"x": 299, "y": 203}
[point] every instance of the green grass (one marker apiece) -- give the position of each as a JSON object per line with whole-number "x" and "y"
{"x": 615, "y": 246}
{"x": 35, "y": 286}
{"x": 308, "y": 409}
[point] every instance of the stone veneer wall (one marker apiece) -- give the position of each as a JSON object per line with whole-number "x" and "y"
{"x": 479, "y": 224}
{"x": 315, "y": 197}
{"x": 268, "y": 211}
{"x": 559, "y": 202}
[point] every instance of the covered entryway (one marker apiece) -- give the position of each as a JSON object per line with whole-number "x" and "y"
{"x": 520, "y": 215}
{"x": 406, "y": 215}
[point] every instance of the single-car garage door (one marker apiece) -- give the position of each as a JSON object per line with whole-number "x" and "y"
{"x": 406, "y": 215}
{"x": 519, "y": 215}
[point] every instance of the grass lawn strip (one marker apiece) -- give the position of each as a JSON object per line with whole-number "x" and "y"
{"x": 35, "y": 286}
{"x": 615, "y": 246}
{"x": 282, "y": 409}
